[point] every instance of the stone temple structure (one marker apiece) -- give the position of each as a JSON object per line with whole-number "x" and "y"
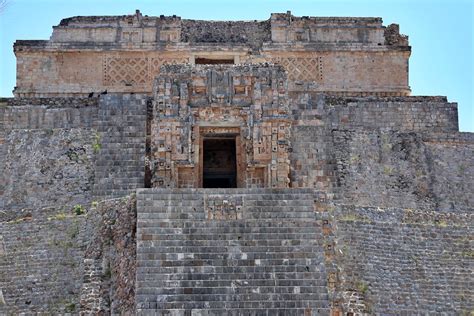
{"x": 164, "y": 166}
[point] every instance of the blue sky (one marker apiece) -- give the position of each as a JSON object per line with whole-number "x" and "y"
{"x": 440, "y": 32}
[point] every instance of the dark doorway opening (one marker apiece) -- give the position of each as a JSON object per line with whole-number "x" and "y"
{"x": 212, "y": 61}
{"x": 219, "y": 163}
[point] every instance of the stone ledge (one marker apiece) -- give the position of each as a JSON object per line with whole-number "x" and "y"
{"x": 337, "y": 100}
{"x": 58, "y": 102}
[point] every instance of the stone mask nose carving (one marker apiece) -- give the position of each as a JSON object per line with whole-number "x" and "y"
{"x": 219, "y": 87}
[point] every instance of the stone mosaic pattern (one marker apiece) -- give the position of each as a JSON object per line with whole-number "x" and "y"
{"x": 302, "y": 68}
{"x": 135, "y": 71}
{"x": 126, "y": 71}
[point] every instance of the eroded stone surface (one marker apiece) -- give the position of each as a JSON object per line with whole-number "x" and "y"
{"x": 344, "y": 56}
{"x": 350, "y": 196}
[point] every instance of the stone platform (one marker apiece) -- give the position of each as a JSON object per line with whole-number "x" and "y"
{"x": 232, "y": 251}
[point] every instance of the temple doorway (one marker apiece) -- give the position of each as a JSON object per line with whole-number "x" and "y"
{"x": 219, "y": 163}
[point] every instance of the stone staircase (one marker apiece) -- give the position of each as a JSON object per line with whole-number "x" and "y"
{"x": 229, "y": 252}
{"x": 120, "y": 145}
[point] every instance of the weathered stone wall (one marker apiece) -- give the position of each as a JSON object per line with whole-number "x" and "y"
{"x": 41, "y": 253}
{"x": 324, "y": 126}
{"x": 290, "y": 28}
{"x": 46, "y": 178}
{"x": 403, "y": 261}
{"x": 343, "y": 71}
{"x": 69, "y": 260}
{"x": 46, "y": 154}
{"x": 110, "y": 258}
{"x": 236, "y": 32}
{"x": 452, "y": 156}
{"x": 404, "y": 169}
{"x": 418, "y": 114}
{"x": 79, "y": 71}
{"x": 50, "y": 152}
{"x": 73, "y": 73}
{"x": 343, "y": 56}
{"x": 59, "y": 152}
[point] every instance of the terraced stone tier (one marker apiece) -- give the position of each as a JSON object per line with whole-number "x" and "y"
{"x": 229, "y": 251}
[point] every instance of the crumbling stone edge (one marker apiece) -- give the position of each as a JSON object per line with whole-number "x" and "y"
{"x": 110, "y": 258}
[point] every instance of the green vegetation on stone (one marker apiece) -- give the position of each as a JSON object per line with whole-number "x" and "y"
{"x": 69, "y": 308}
{"x": 96, "y": 146}
{"x": 58, "y": 217}
{"x": 79, "y": 209}
{"x": 362, "y": 287}
{"x": 351, "y": 217}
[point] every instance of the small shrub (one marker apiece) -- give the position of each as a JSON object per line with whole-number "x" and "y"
{"x": 362, "y": 287}
{"x": 387, "y": 170}
{"x": 107, "y": 274}
{"x": 79, "y": 210}
{"x": 441, "y": 223}
{"x": 69, "y": 308}
{"x": 96, "y": 146}
{"x": 350, "y": 217}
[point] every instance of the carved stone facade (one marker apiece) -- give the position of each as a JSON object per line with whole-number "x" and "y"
{"x": 247, "y": 103}
{"x": 272, "y": 167}
{"x": 134, "y": 71}
{"x": 341, "y": 56}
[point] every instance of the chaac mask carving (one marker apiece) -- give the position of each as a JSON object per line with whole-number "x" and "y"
{"x": 248, "y": 103}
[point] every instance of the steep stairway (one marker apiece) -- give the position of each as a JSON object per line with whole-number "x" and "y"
{"x": 120, "y": 145}
{"x": 229, "y": 252}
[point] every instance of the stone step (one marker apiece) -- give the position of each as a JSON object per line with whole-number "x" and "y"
{"x": 197, "y": 278}
{"x": 222, "y": 249}
{"x": 167, "y": 197}
{"x": 244, "y": 215}
{"x": 155, "y": 234}
{"x": 221, "y": 299}
{"x": 236, "y": 308}
{"x": 187, "y": 204}
{"x": 268, "y": 191}
{"x": 217, "y": 262}
{"x": 175, "y": 293}
{"x": 154, "y": 282}
{"x": 282, "y": 274}
{"x": 199, "y": 228}
{"x": 236, "y": 301}
{"x": 193, "y": 206}
{"x": 236, "y": 311}
{"x": 259, "y": 212}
